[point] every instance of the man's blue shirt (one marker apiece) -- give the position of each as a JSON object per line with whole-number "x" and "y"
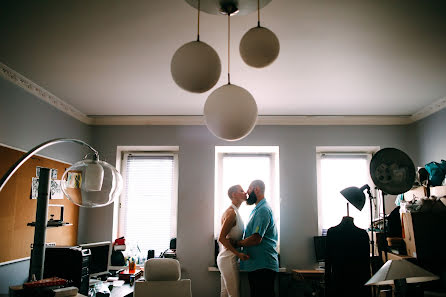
{"x": 264, "y": 255}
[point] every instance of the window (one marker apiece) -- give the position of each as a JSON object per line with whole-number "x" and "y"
{"x": 337, "y": 171}
{"x": 242, "y": 165}
{"x": 148, "y": 208}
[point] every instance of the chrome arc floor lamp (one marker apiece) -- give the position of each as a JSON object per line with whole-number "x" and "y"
{"x": 100, "y": 184}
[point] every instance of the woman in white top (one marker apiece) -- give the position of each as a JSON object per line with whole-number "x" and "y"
{"x": 231, "y": 229}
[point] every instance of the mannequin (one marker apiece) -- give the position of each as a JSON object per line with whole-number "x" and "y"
{"x": 347, "y": 265}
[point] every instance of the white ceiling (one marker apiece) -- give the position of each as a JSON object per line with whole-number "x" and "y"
{"x": 110, "y": 57}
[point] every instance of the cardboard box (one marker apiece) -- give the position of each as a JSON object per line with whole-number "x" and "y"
{"x": 408, "y": 235}
{"x": 439, "y": 191}
{"x": 418, "y": 192}
{"x": 392, "y": 256}
{"x": 425, "y": 238}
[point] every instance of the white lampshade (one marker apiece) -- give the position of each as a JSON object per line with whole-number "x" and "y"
{"x": 230, "y": 112}
{"x": 91, "y": 183}
{"x": 259, "y": 47}
{"x": 94, "y": 176}
{"x": 400, "y": 269}
{"x": 195, "y": 67}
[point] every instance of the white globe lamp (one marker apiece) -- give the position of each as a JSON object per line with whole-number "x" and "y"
{"x": 230, "y": 112}
{"x": 195, "y": 67}
{"x": 259, "y": 47}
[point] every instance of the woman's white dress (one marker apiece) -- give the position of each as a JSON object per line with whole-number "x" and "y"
{"x": 227, "y": 261}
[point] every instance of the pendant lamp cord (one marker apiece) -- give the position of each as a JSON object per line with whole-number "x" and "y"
{"x": 229, "y": 40}
{"x": 258, "y": 13}
{"x": 198, "y": 25}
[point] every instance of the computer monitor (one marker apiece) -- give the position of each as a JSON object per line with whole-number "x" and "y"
{"x": 100, "y": 257}
{"x": 320, "y": 248}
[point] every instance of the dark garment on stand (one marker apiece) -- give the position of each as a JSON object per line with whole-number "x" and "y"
{"x": 347, "y": 265}
{"x": 261, "y": 282}
{"x": 394, "y": 223}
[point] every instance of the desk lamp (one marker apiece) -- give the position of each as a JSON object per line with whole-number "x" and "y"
{"x": 88, "y": 183}
{"x": 356, "y": 197}
{"x": 400, "y": 273}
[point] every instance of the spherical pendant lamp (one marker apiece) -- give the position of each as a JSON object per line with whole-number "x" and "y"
{"x": 230, "y": 112}
{"x": 195, "y": 67}
{"x": 259, "y": 46}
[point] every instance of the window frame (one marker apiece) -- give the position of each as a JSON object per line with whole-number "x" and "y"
{"x": 119, "y": 208}
{"x": 273, "y": 153}
{"x": 344, "y": 151}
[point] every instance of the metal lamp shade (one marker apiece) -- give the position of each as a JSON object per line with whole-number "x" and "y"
{"x": 392, "y": 171}
{"x": 355, "y": 196}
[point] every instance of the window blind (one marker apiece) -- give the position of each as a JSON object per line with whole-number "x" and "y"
{"x": 150, "y": 202}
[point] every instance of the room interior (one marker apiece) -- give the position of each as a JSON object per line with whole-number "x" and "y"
{"x": 348, "y": 74}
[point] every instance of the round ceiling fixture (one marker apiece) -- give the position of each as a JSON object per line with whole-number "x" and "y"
{"x": 230, "y": 112}
{"x": 195, "y": 67}
{"x": 214, "y": 7}
{"x": 259, "y": 47}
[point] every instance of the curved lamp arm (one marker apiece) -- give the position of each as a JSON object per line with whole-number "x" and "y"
{"x": 38, "y": 148}
{"x": 38, "y": 251}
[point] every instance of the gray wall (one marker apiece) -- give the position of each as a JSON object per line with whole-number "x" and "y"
{"x": 196, "y": 185}
{"x": 26, "y": 121}
{"x": 430, "y": 137}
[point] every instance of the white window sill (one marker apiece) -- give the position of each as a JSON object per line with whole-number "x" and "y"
{"x": 215, "y": 269}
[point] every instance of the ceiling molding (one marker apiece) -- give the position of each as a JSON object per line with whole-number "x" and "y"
{"x": 41, "y": 93}
{"x": 170, "y": 120}
{"x": 333, "y": 120}
{"x": 261, "y": 120}
{"x": 428, "y": 110}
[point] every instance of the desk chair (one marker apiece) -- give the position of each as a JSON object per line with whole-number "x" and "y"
{"x": 162, "y": 277}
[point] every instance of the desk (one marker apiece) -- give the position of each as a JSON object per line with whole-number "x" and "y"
{"x": 313, "y": 277}
{"x": 308, "y": 274}
{"x": 124, "y": 291}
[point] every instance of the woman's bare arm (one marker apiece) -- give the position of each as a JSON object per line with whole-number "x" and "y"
{"x": 228, "y": 221}
{"x": 254, "y": 239}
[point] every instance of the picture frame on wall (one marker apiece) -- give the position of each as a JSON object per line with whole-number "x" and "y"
{"x": 56, "y": 190}
{"x": 74, "y": 180}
